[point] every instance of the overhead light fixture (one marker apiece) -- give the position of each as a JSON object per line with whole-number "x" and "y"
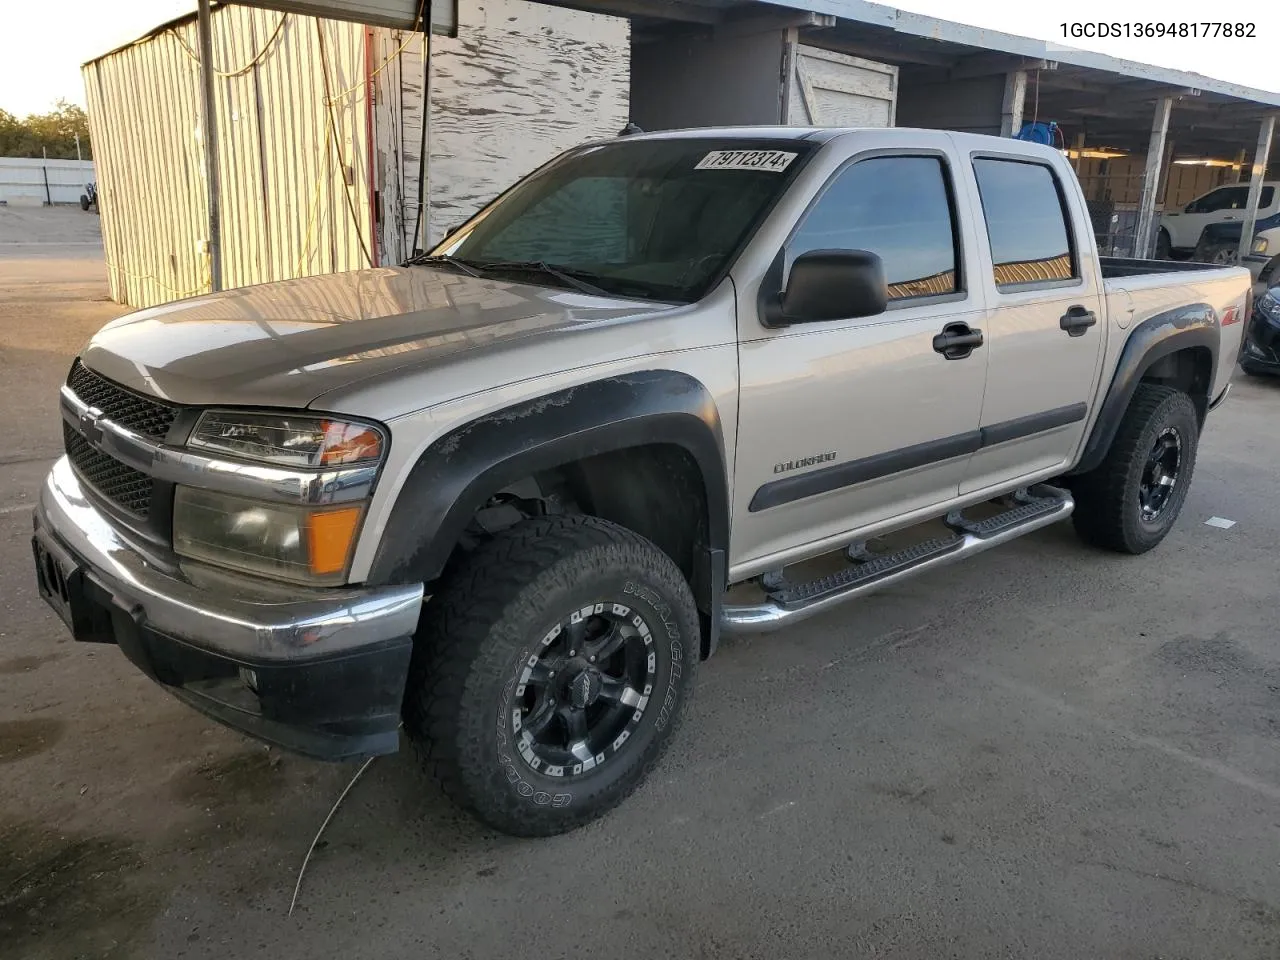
{"x": 1205, "y": 163}
{"x": 1096, "y": 154}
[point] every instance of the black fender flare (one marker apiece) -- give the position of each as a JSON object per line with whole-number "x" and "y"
{"x": 459, "y": 471}
{"x": 1195, "y": 325}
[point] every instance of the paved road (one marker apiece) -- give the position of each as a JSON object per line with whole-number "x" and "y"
{"x": 1047, "y": 752}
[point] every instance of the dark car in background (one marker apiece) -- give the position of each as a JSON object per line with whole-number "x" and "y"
{"x": 1219, "y": 241}
{"x": 1260, "y": 354}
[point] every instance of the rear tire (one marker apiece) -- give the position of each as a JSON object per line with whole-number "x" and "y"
{"x": 1131, "y": 500}
{"x": 84, "y": 202}
{"x": 519, "y": 640}
{"x": 1164, "y": 246}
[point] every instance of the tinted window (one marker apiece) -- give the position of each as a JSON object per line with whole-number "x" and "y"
{"x": 649, "y": 218}
{"x": 1224, "y": 198}
{"x": 1268, "y": 194}
{"x": 897, "y": 207}
{"x": 1026, "y": 222}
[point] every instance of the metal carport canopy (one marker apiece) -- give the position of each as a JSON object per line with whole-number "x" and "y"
{"x": 400, "y": 14}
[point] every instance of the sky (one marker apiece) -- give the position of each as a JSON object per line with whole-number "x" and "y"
{"x": 36, "y": 72}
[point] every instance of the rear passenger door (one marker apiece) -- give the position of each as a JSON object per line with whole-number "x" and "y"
{"x": 1045, "y": 320}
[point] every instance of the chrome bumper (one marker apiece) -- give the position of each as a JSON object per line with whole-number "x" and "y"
{"x": 297, "y": 623}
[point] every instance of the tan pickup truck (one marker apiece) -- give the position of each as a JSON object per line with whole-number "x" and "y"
{"x": 665, "y": 387}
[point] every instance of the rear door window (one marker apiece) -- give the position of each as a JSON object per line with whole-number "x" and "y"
{"x": 1027, "y": 223}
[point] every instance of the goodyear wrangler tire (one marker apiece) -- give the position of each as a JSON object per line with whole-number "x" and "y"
{"x": 1130, "y": 502}
{"x": 550, "y": 672}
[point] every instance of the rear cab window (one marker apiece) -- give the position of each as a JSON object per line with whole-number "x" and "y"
{"x": 1029, "y": 231}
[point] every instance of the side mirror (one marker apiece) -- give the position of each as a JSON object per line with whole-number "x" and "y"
{"x": 833, "y": 285}
{"x": 452, "y": 230}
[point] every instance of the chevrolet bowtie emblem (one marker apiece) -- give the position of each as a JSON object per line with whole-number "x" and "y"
{"x": 89, "y": 425}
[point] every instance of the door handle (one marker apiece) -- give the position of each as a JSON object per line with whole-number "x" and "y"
{"x": 957, "y": 340}
{"x": 1077, "y": 320}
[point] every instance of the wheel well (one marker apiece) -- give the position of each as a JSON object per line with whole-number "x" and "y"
{"x": 656, "y": 490}
{"x": 1188, "y": 370}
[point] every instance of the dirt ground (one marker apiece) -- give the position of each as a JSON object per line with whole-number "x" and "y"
{"x": 1045, "y": 752}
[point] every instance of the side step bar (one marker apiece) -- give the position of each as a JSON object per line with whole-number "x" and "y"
{"x": 787, "y": 604}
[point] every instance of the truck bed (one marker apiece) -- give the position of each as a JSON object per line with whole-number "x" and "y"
{"x": 1115, "y": 267}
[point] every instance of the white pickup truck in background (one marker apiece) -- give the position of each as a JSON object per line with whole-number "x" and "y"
{"x": 1180, "y": 231}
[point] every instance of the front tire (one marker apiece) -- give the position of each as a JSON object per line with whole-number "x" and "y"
{"x": 550, "y": 673}
{"x": 1130, "y": 501}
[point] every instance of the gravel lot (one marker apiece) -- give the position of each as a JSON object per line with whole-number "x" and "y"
{"x": 1046, "y": 752}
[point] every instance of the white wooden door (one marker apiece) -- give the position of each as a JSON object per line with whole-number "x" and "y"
{"x": 831, "y": 89}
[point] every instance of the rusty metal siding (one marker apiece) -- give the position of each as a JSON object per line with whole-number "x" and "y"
{"x": 295, "y": 194}
{"x": 520, "y": 83}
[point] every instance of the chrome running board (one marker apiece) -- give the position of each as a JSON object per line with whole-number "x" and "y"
{"x": 787, "y": 604}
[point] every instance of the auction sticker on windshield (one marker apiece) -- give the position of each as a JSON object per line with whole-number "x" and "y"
{"x": 772, "y": 160}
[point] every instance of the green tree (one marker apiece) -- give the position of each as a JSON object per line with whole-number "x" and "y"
{"x": 54, "y": 132}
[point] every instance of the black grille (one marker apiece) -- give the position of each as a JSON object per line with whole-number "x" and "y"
{"x": 118, "y": 482}
{"x": 143, "y": 415}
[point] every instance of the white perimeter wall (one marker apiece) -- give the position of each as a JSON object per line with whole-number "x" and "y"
{"x": 22, "y": 179}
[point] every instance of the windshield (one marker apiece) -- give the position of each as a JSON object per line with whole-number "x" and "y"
{"x": 659, "y": 219}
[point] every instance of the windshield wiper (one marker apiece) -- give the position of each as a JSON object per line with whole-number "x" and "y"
{"x": 551, "y": 270}
{"x": 465, "y": 266}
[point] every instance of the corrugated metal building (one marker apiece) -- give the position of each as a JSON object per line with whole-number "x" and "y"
{"x": 320, "y": 135}
{"x": 320, "y": 124}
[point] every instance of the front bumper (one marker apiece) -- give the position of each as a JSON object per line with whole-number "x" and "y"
{"x": 318, "y": 672}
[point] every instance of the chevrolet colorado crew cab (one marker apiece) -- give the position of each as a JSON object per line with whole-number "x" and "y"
{"x": 665, "y": 388}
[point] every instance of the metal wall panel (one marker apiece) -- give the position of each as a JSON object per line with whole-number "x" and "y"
{"x": 293, "y": 154}
{"x": 320, "y": 134}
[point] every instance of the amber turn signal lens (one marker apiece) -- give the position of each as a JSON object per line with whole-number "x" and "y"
{"x": 349, "y": 443}
{"x": 330, "y": 535}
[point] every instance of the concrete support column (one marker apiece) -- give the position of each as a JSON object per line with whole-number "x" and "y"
{"x": 1015, "y": 95}
{"x": 1151, "y": 179}
{"x": 1261, "y": 154}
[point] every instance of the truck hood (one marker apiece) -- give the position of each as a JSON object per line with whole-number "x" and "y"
{"x": 285, "y": 344}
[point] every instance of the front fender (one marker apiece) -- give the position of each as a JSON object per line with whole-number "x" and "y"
{"x": 461, "y": 470}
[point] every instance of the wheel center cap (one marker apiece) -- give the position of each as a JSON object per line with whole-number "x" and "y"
{"x": 583, "y": 689}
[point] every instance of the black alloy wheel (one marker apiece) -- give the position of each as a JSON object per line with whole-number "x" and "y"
{"x": 1160, "y": 474}
{"x": 589, "y": 677}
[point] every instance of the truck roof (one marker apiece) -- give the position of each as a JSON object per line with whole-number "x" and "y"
{"x": 972, "y": 141}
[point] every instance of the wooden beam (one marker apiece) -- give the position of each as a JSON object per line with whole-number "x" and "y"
{"x": 1151, "y": 178}
{"x": 1261, "y": 155}
{"x": 648, "y": 9}
{"x": 885, "y": 53}
{"x": 752, "y": 23}
{"x": 1015, "y": 96}
{"x": 987, "y": 64}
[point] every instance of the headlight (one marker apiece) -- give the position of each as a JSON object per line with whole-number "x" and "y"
{"x": 1269, "y": 306}
{"x": 1260, "y": 245}
{"x": 298, "y": 543}
{"x": 288, "y": 440}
